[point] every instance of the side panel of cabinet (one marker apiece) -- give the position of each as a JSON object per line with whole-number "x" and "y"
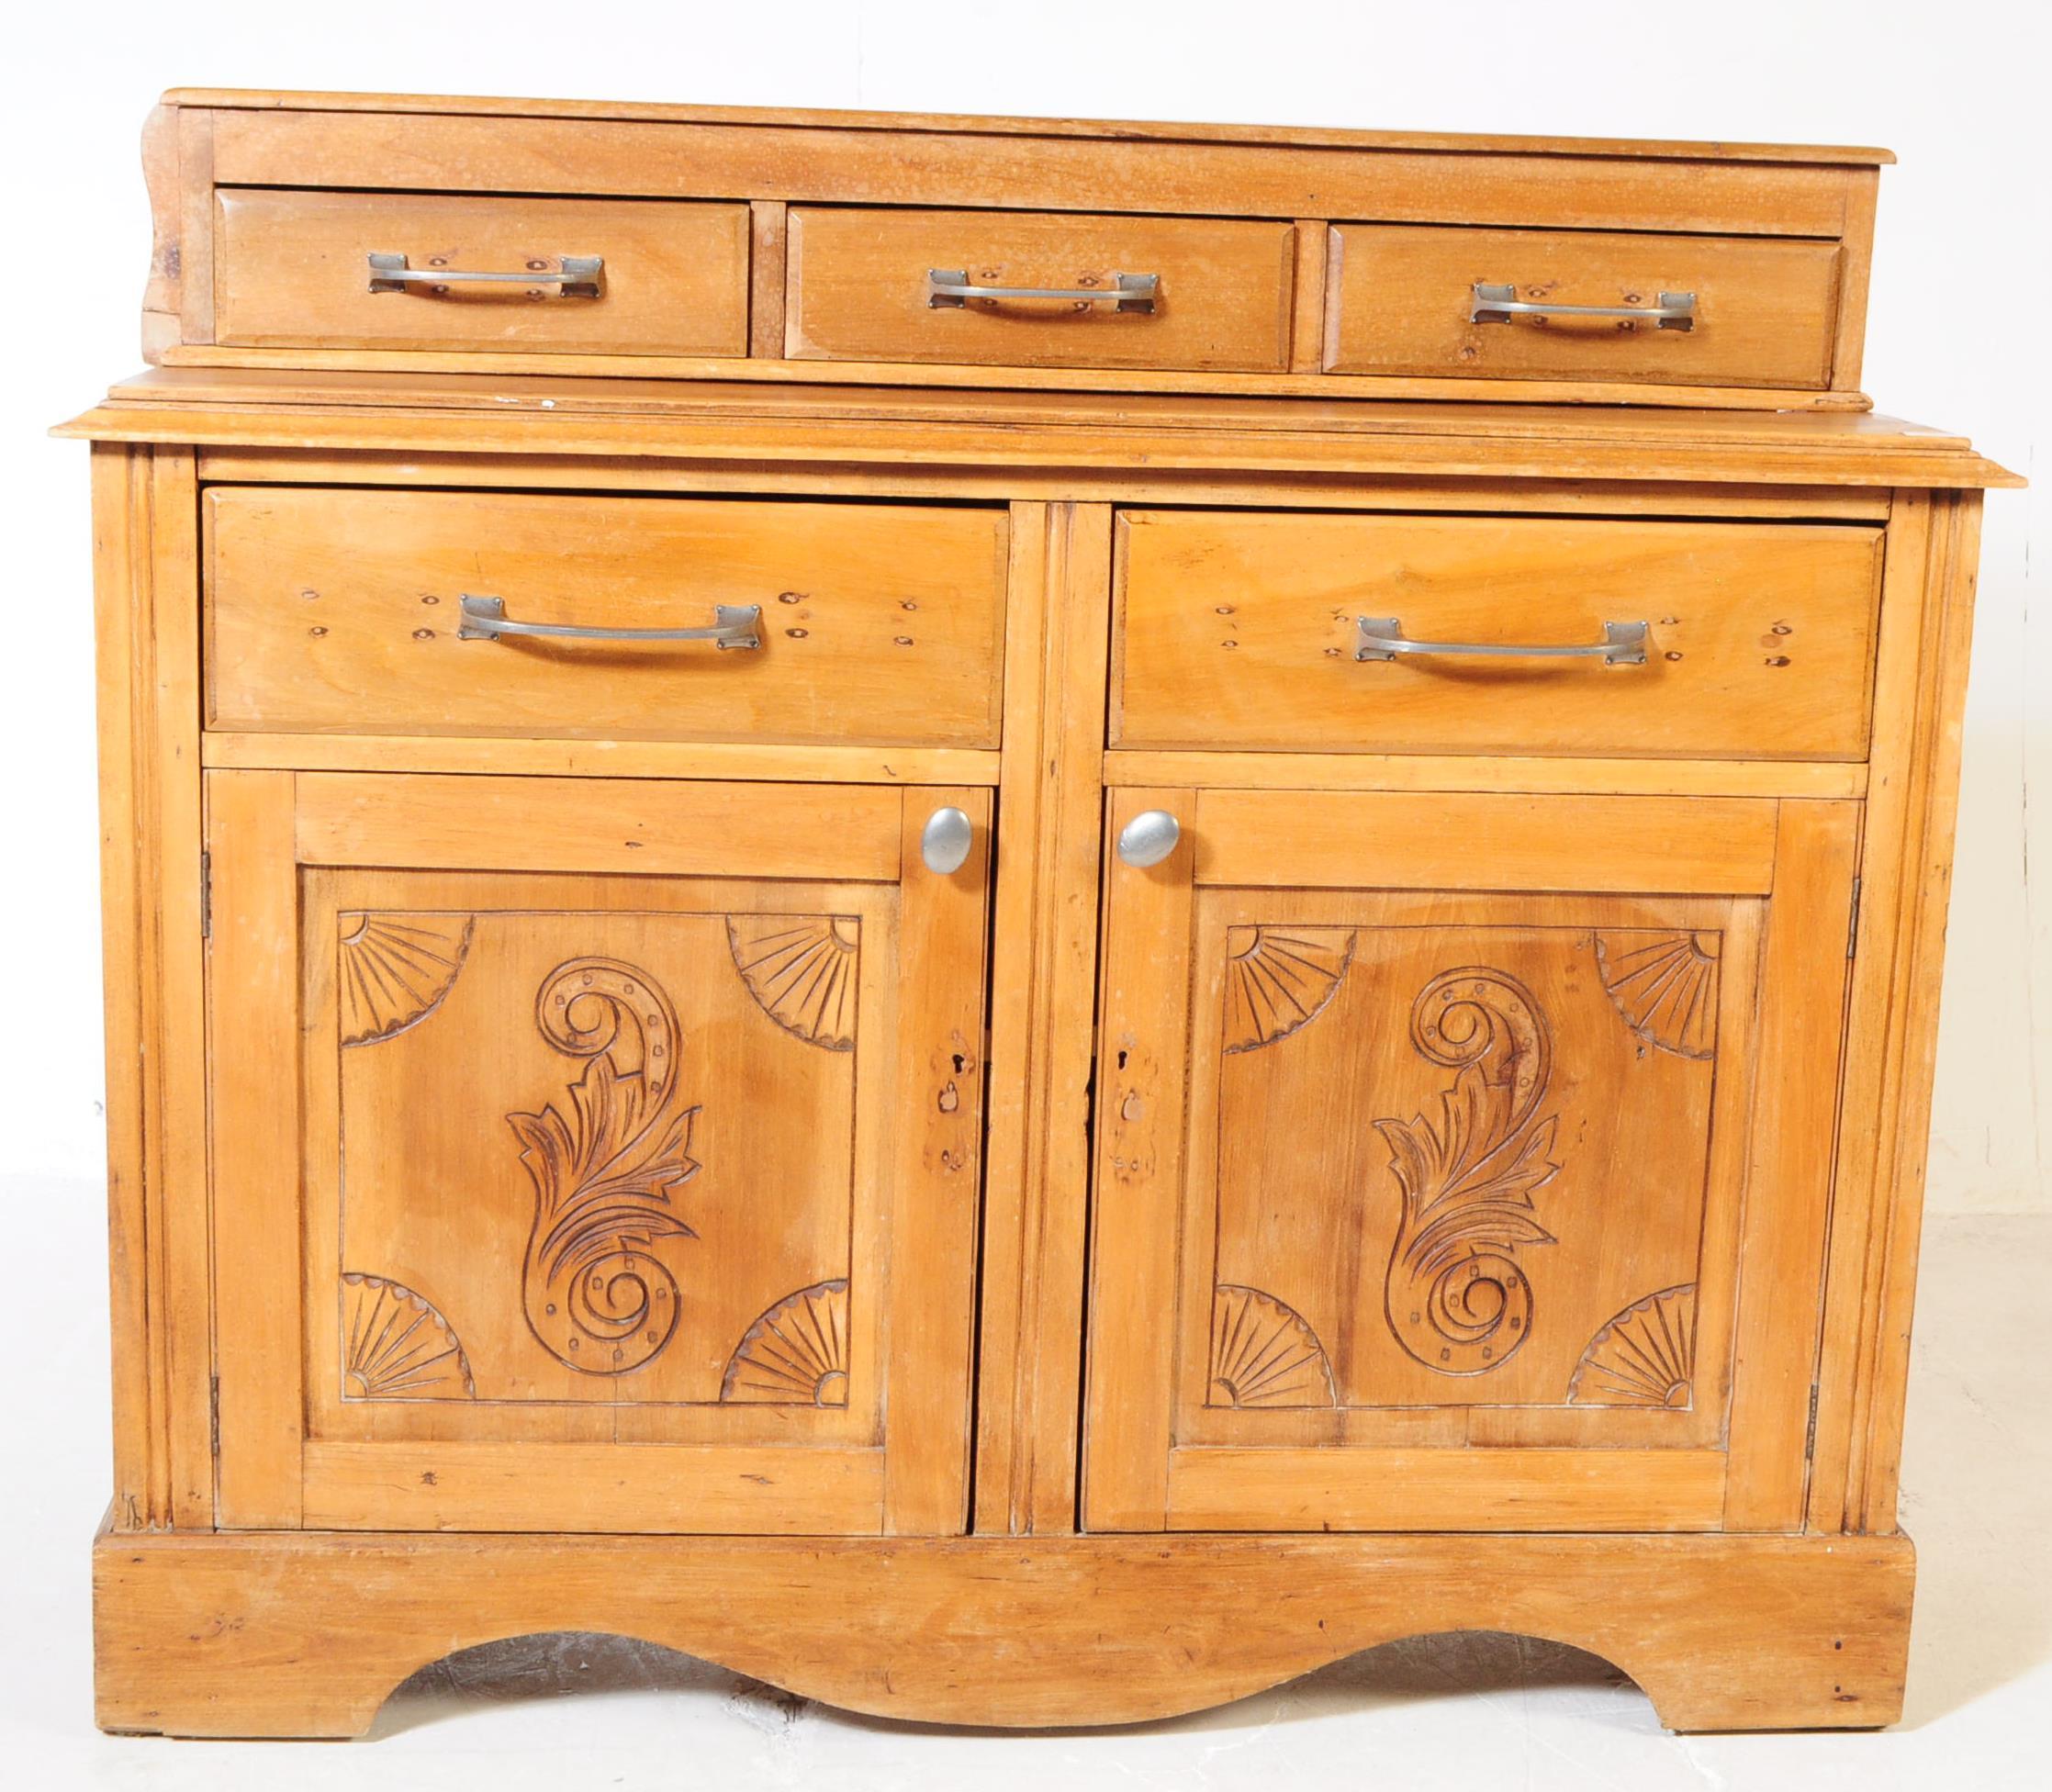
{"x": 1437, "y": 1131}
{"x": 592, "y": 1155}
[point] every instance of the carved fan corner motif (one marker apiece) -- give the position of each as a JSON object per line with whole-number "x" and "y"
{"x": 397, "y": 1345}
{"x": 1278, "y": 978}
{"x": 393, "y": 970}
{"x": 1665, "y": 984}
{"x": 1644, "y": 1357}
{"x": 1265, "y": 1354}
{"x": 801, "y": 971}
{"x": 795, "y": 1354}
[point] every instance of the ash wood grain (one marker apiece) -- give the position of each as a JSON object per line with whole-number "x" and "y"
{"x": 1143, "y": 1056}
{"x": 823, "y": 164}
{"x": 1043, "y": 992}
{"x": 1239, "y": 629}
{"x": 1906, "y": 866}
{"x": 163, "y": 292}
{"x": 857, "y": 289}
{"x": 137, "y": 1269}
{"x": 1927, "y": 881}
{"x": 1684, "y": 1154}
{"x": 1404, "y": 299}
{"x": 877, "y": 623}
{"x": 758, "y": 367}
{"x": 1308, "y": 295}
{"x": 1856, "y": 267}
{"x": 773, "y": 370}
{"x": 1497, "y": 497}
{"x": 1250, "y": 438}
{"x": 1788, "y": 1185}
{"x": 429, "y": 1397}
{"x": 1389, "y": 1489}
{"x": 654, "y": 1488}
{"x": 936, "y": 1141}
{"x": 256, "y": 1106}
{"x": 769, "y": 236}
{"x": 294, "y": 272}
{"x": 171, "y": 963}
{"x": 1502, "y": 772}
{"x": 596, "y": 824}
{"x": 725, "y": 760}
{"x": 195, "y": 228}
{"x": 854, "y": 119}
{"x": 1483, "y": 842}
{"x": 306, "y": 1635}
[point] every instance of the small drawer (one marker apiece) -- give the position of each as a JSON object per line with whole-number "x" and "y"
{"x": 1710, "y": 310}
{"x": 1736, "y": 640}
{"x": 1197, "y": 293}
{"x": 345, "y": 612}
{"x": 480, "y": 272}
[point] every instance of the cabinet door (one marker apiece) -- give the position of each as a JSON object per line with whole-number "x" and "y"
{"x": 1464, "y": 1161}
{"x": 592, "y": 1154}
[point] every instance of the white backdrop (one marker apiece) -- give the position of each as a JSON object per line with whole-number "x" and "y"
{"x": 1958, "y": 332}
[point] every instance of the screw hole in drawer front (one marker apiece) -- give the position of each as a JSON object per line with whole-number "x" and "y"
{"x": 1519, "y": 635}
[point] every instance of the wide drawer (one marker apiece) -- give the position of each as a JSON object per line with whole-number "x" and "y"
{"x": 1244, "y": 630}
{"x": 1198, "y": 293}
{"x": 1740, "y": 312}
{"x": 343, "y": 611}
{"x": 295, "y": 271}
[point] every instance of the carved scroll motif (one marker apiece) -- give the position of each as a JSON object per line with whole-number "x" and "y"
{"x": 795, "y": 1355}
{"x": 801, "y": 971}
{"x": 1644, "y": 1357}
{"x": 1263, "y": 1354}
{"x": 397, "y": 1345}
{"x": 392, "y": 970}
{"x": 1455, "y": 1295}
{"x": 598, "y": 1297}
{"x": 1279, "y": 979}
{"x": 1665, "y": 985}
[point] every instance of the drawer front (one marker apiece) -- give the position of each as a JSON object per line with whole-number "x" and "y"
{"x": 860, "y": 289}
{"x": 1404, "y": 302}
{"x": 1239, "y": 629}
{"x": 339, "y": 612}
{"x": 294, "y": 272}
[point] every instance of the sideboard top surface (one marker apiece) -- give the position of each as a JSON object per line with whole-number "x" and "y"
{"x": 828, "y": 118}
{"x": 422, "y": 413}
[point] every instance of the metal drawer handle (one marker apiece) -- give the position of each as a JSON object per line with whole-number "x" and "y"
{"x": 1148, "y": 838}
{"x": 734, "y": 625}
{"x": 579, "y": 279}
{"x": 1382, "y": 637}
{"x": 951, "y": 286}
{"x": 1500, "y": 304}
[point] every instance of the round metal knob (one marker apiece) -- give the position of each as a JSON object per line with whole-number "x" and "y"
{"x": 1149, "y": 837}
{"x": 944, "y": 842}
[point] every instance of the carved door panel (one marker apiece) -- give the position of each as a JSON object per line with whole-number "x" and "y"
{"x": 1465, "y": 1161}
{"x": 592, "y": 1155}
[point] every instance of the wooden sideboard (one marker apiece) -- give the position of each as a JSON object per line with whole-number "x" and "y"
{"x": 1025, "y": 1005}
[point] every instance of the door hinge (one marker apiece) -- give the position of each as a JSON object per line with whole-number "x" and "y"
{"x": 207, "y": 895}
{"x": 214, "y": 1417}
{"x": 1810, "y": 1436}
{"x": 1852, "y": 926}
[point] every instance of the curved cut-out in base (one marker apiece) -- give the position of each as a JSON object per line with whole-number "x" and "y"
{"x": 546, "y": 1666}
{"x": 306, "y": 1634}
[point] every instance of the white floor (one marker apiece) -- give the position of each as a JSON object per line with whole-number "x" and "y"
{"x": 566, "y": 1713}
